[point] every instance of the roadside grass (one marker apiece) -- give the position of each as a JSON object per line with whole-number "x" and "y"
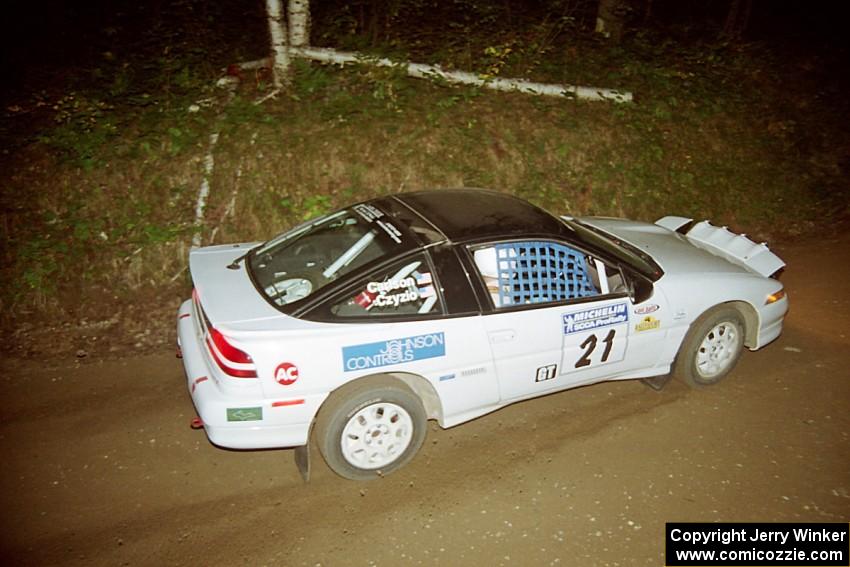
{"x": 100, "y": 207}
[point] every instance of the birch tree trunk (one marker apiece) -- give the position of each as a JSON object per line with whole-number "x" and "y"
{"x": 280, "y": 47}
{"x": 611, "y": 19}
{"x": 299, "y": 23}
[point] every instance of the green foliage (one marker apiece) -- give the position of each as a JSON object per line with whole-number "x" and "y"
{"x": 309, "y": 79}
{"x": 83, "y": 126}
{"x": 711, "y": 134}
{"x": 315, "y": 206}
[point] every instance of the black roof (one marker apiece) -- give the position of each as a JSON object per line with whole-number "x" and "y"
{"x": 466, "y": 214}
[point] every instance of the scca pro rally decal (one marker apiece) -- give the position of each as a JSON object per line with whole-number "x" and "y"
{"x": 596, "y": 317}
{"x": 384, "y": 353}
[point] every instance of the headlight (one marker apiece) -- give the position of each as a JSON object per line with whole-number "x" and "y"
{"x": 774, "y": 297}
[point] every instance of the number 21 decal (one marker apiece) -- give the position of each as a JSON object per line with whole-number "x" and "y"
{"x": 589, "y": 345}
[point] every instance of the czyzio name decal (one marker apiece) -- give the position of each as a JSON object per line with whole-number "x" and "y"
{"x": 596, "y": 317}
{"x": 394, "y": 293}
{"x": 395, "y": 351}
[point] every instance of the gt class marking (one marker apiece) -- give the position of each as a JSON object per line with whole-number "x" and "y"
{"x": 596, "y": 317}
{"x": 546, "y": 373}
{"x": 590, "y": 344}
{"x": 286, "y": 374}
{"x": 395, "y": 351}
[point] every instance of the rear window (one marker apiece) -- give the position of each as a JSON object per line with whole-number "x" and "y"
{"x": 299, "y": 263}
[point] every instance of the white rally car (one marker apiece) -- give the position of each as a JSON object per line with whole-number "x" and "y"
{"x": 356, "y": 328}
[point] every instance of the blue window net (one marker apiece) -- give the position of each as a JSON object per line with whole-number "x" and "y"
{"x": 536, "y": 272}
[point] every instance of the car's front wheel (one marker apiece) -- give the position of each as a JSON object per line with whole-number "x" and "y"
{"x": 711, "y": 348}
{"x": 370, "y": 429}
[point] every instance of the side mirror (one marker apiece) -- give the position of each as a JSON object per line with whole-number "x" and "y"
{"x": 640, "y": 288}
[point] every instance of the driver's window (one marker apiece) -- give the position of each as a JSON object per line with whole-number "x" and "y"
{"x": 532, "y": 272}
{"x": 405, "y": 288}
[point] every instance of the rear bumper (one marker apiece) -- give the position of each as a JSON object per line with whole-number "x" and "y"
{"x": 239, "y": 417}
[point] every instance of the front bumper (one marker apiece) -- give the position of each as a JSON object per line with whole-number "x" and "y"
{"x": 239, "y": 417}
{"x": 771, "y": 318}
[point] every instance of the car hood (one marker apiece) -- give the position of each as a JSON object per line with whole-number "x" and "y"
{"x": 227, "y": 294}
{"x": 673, "y": 252}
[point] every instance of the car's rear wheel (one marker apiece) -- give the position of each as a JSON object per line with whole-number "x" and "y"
{"x": 370, "y": 429}
{"x": 711, "y": 348}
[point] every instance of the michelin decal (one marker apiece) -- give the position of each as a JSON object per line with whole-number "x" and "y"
{"x": 395, "y": 351}
{"x": 596, "y": 317}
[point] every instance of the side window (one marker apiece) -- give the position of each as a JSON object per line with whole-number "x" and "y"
{"x": 522, "y": 273}
{"x": 405, "y": 288}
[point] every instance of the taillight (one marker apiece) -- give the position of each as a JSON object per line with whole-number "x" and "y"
{"x": 231, "y": 360}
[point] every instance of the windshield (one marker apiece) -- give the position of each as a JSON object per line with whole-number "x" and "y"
{"x": 298, "y": 263}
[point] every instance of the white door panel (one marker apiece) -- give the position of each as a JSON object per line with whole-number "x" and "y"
{"x": 522, "y": 343}
{"x": 549, "y": 348}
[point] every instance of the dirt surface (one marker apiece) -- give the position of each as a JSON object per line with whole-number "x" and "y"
{"x": 102, "y": 468}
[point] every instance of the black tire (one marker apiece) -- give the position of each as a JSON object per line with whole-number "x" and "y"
{"x": 711, "y": 348}
{"x": 370, "y": 428}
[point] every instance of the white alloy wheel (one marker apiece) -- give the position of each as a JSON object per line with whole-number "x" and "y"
{"x": 711, "y": 348}
{"x": 376, "y": 436}
{"x": 370, "y": 428}
{"x": 719, "y": 350}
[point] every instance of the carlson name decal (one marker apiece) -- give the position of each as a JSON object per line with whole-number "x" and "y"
{"x": 596, "y": 317}
{"x": 394, "y": 293}
{"x": 395, "y": 351}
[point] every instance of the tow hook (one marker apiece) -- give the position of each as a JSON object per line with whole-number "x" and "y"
{"x": 196, "y": 423}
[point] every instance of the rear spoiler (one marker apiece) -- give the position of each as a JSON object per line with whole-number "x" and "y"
{"x": 720, "y": 241}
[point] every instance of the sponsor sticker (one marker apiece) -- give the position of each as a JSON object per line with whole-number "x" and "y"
{"x": 595, "y": 318}
{"x": 245, "y": 414}
{"x": 646, "y": 309}
{"x": 391, "y": 231}
{"x": 395, "y": 351}
{"x": 648, "y": 323}
{"x": 473, "y": 371}
{"x": 286, "y": 374}
{"x": 368, "y": 212}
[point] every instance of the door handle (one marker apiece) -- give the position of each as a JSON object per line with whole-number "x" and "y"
{"x": 502, "y": 336}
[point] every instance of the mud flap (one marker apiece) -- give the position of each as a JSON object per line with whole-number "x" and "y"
{"x": 657, "y": 382}
{"x": 302, "y": 461}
